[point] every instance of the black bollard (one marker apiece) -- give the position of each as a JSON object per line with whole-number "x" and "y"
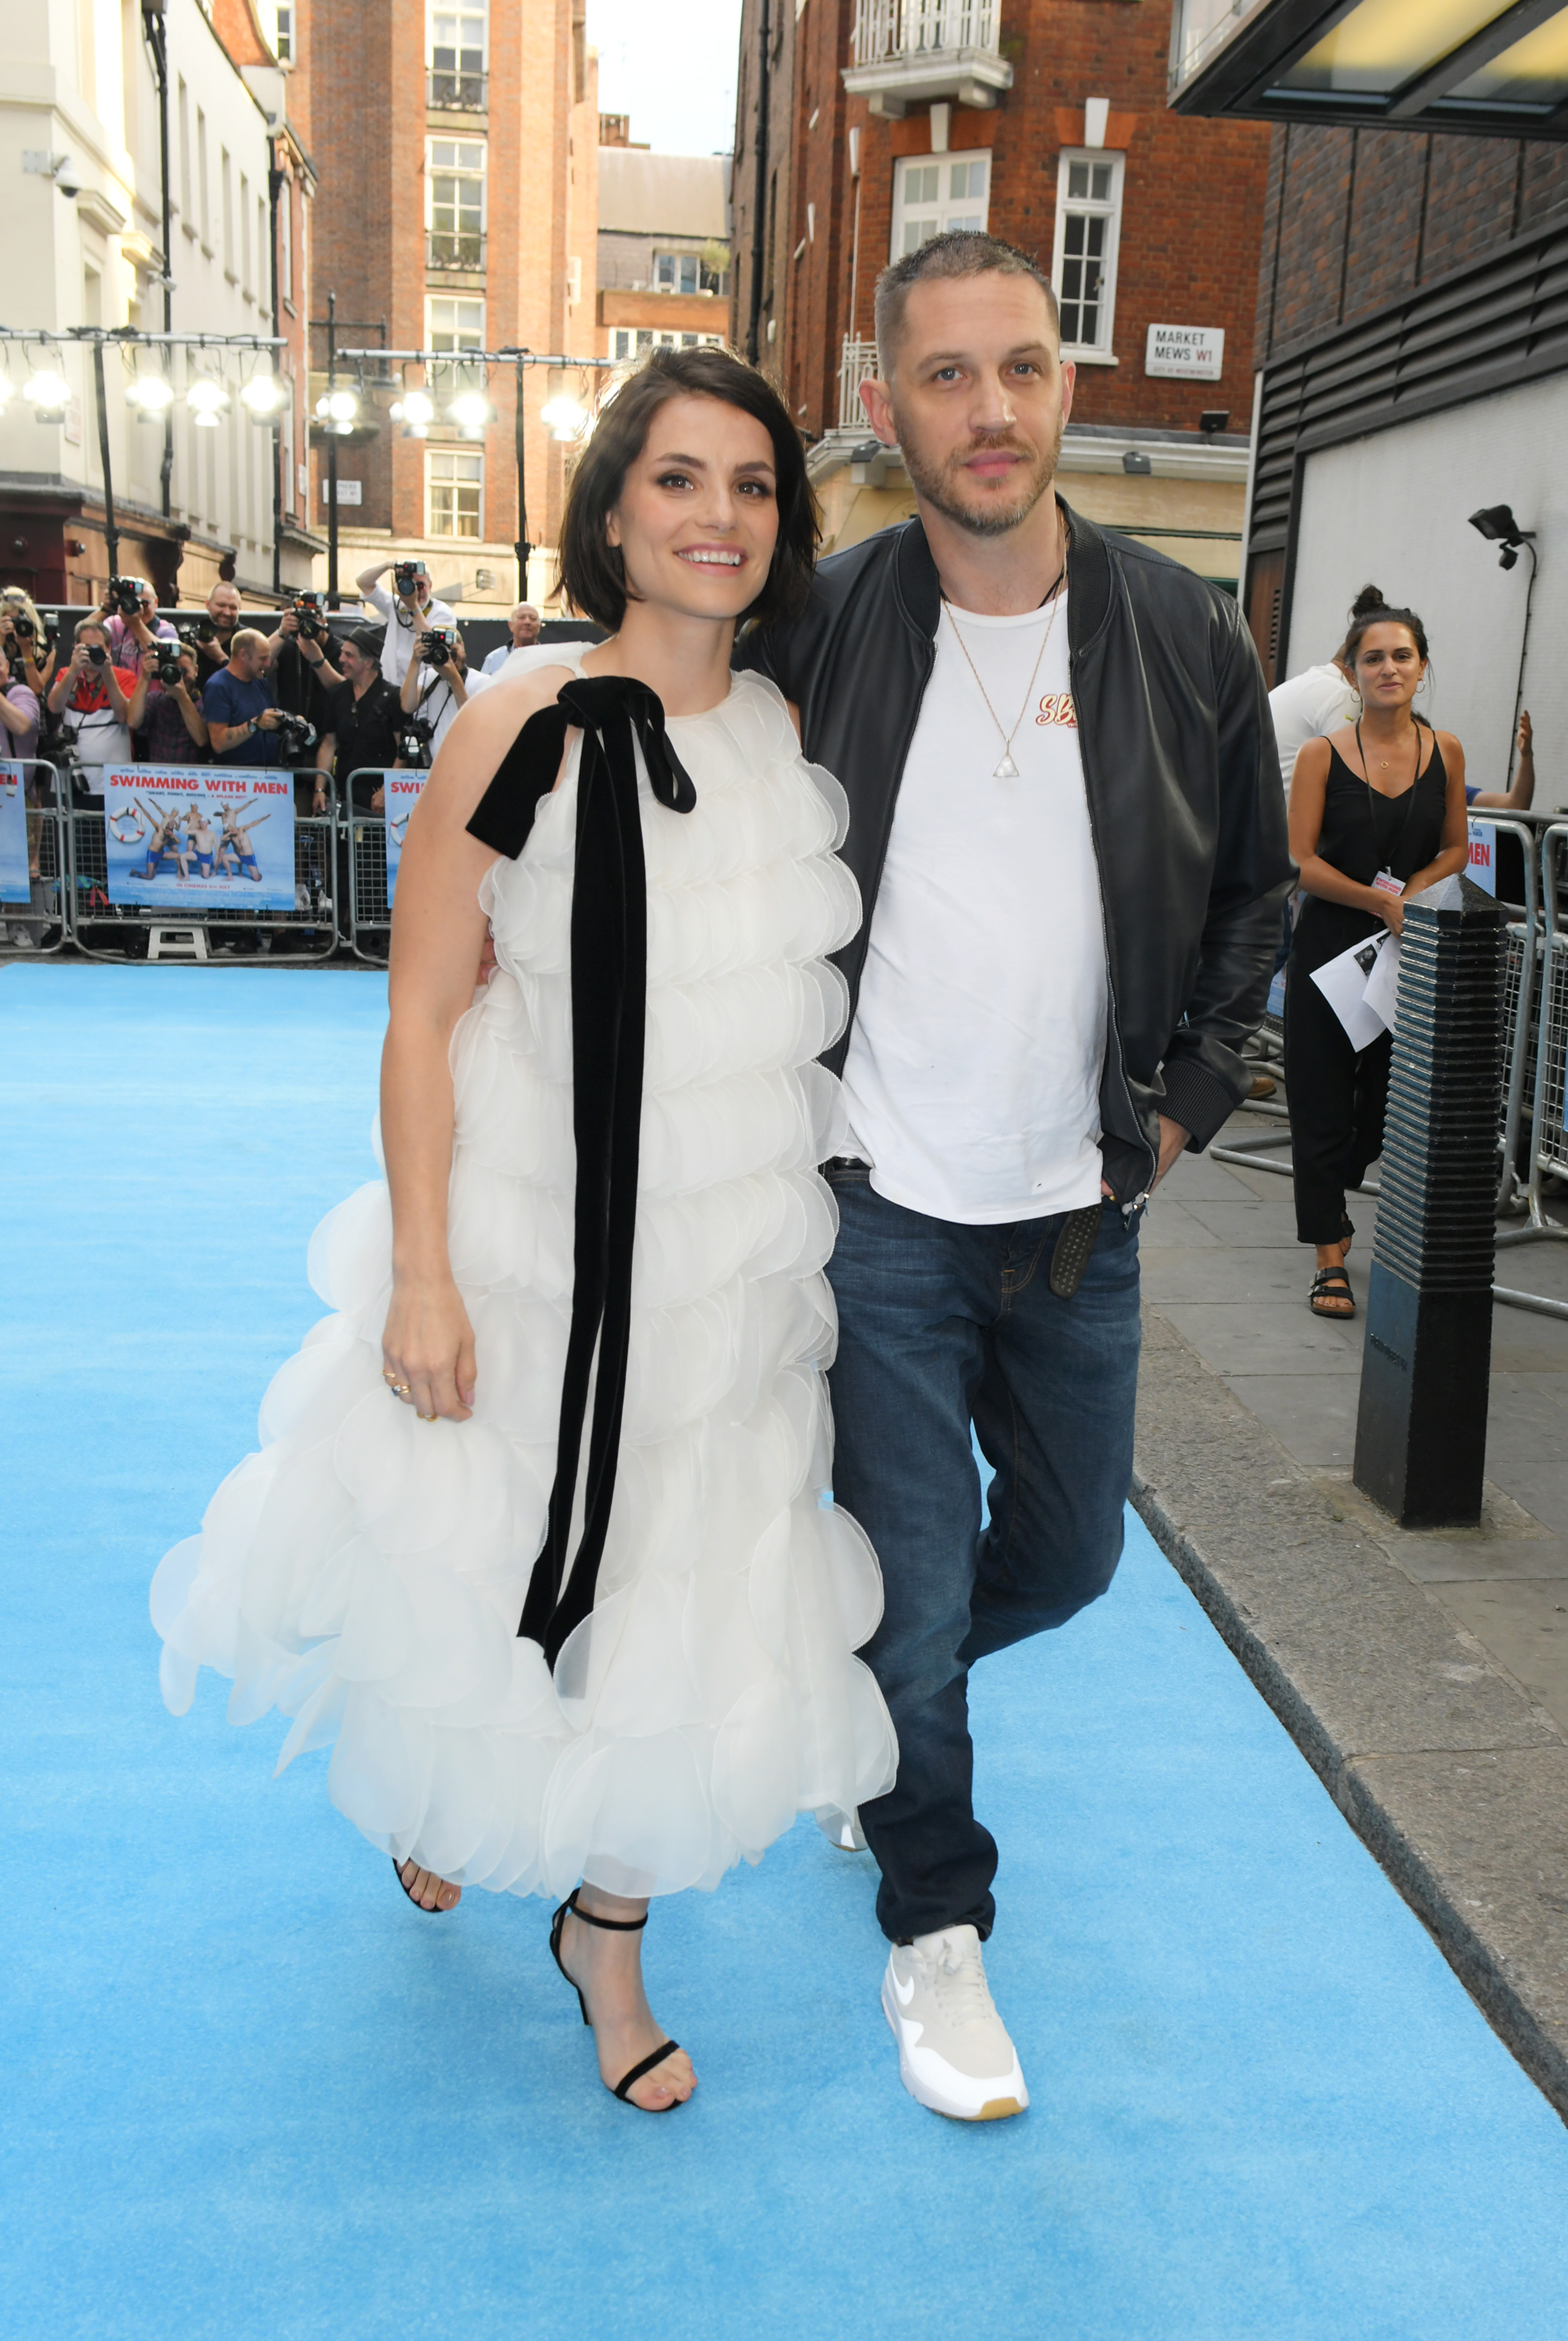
{"x": 1420, "y": 1432}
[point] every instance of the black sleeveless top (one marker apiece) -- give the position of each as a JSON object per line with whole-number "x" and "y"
{"x": 1363, "y": 832}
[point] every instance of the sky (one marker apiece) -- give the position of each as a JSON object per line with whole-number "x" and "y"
{"x": 673, "y": 69}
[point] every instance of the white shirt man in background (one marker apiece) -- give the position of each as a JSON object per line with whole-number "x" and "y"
{"x": 1308, "y": 707}
{"x": 405, "y": 615}
{"x": 523, "y": 624}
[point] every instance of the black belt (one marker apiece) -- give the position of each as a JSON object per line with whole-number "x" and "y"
{"x": 609, "y": 1010}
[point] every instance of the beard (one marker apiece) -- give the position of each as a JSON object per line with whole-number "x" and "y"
{"x": 942, "y": 484}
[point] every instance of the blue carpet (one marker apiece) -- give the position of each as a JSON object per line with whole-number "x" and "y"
{"x": 250, "y": 2093}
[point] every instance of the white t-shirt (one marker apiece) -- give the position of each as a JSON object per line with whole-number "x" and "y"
{"x": 399, "y": 645}
{"x": 438, "y": 702}
{"x": 974, "y": 1068}
{"x": 1316, "y": 701}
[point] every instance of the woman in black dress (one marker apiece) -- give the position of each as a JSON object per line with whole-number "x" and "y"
{"x": 1376, "y": 815}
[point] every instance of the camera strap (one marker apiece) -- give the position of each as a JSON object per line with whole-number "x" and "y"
{"x": 609, "y": 1010}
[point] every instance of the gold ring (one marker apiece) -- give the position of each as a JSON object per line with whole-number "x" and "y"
{"x": 400, "y": 1389}
{"x": 388, "y": 1375}
{"x": 427, "y": 1417}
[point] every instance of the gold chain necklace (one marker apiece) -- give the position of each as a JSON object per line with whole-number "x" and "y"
{"x": 1007, "y": 770}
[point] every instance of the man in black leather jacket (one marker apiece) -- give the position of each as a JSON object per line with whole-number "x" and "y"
{"x": 1010, "y": 1039}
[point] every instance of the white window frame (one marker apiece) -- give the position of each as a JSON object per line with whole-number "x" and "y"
{"x": 434, "y": 301}
{"x": 946, "y": 209}
{"x": 477, "y": 172}
{"x": 460, "y": 8}
{"x": 1101, "y": 350}
{"x": 439, "y": 455}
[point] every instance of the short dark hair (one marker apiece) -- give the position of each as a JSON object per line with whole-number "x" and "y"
{"x": 1369, "y": 609}
{"x": 592, "y": 572}
{"x": 962, "y": 252}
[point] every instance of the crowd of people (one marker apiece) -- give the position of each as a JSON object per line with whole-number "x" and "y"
{"x": 131, "y": 685}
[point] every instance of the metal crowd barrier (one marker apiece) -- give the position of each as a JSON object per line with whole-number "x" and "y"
{"x": 369, "y": 924}
{"x": 117, "y": 931}
{"x": 46, "y": 920}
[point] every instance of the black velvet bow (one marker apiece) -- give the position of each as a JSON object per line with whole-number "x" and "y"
{"x": 609, "y": 1009}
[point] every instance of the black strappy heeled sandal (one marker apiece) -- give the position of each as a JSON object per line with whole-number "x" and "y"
{"x": 610, "y": 1927}
{"x": 429, "y": 1909}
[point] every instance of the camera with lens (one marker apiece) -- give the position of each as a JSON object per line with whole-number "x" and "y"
{"x": 406, "y": 575}
{"x": 414, "y": 739}
{"x": 295, "y": 733}
{"x": 125, "y": 595}
{"x": 307, "y": 609}
{"x": 169, "y": 672}
{"x": 436, "y": 645}
{"x": 204, "y": 631}
{"x": 21, "y": 627}
{"x": 96, "y": 654}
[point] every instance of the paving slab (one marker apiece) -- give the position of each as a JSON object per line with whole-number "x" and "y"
{"x": 1423, "y": 1676}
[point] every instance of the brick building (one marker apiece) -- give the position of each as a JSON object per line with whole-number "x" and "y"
{"x": 663, "y": 263}
{"x": 1412, "y": 360}
{"x": 458, "y": 152}
{"x": 862, "y": 129}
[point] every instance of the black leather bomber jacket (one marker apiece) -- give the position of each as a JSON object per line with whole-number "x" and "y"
{"x": 1183, "y": 780}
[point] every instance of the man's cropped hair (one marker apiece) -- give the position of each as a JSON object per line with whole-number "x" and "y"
{"x": 246, "y": 634}
{"x": 962, "y": 252}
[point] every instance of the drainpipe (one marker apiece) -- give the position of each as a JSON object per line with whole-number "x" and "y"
{"x": 759, "y": 203}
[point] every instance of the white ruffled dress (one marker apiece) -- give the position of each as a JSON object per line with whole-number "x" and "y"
{"x": 365, "y": 1572}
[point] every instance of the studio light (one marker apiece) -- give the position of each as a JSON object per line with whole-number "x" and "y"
{"x": 418, "y": 408}
{"x": 151, "y": 393}
{"x": 1497, "y": 524}
{"x": 564, "y": 416}
{"x": 342, "y": 407}
{"x": 47, "y": 392}
{"x": 206, "y": 400}
{"x": 262, "y": 396}
{"x": 471, "y": 409}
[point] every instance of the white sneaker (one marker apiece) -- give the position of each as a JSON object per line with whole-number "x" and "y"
{"x": 843, "y": 1829}
{"x": 954, "y": 2053}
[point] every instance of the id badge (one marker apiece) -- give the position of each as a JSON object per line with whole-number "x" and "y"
{"x": 1386, "y": 882}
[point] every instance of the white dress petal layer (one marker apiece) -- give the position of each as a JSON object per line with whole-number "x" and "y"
{"x": 365, "y": 1572}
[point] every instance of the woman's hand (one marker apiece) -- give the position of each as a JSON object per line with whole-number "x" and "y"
{"x": 1391, "y": 911}
{"x": 428, "y": 1344}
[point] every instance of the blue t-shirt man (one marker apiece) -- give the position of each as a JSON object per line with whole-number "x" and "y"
{"x": 228, "y": 700}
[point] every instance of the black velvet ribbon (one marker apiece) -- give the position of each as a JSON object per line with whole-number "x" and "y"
{"x": 608, "y": 1011}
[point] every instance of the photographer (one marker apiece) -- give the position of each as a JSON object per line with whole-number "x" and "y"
{"x": 19, "y": 717}
{"x": 305, "y": 680}
{"x": 214, "y": 632}
{"x": 175, "y": 730}
{"x": 103, "y": 703}
{"x": 240, "y": 706}
{"x": 363, "y": 718}
{"x": 404, "y": 610}
{"x": 129, "y": 611}
{"x": 523, "y": 624}
{"x": 28, "y": 639}
{"x": 436, "y": 685}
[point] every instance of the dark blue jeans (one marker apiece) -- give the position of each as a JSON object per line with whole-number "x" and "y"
{"x": 942, "y": 1326}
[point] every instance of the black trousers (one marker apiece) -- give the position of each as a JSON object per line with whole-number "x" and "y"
{"x": 1337, "y": 1096}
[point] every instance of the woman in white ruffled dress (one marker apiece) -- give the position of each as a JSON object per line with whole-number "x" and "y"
{"x": 604, "y": 1643}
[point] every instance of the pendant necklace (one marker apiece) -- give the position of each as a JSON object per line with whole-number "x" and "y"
{"x": 1007, "y": 770}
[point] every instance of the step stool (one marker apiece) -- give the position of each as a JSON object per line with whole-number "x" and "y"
{"x": 177, "y": 943}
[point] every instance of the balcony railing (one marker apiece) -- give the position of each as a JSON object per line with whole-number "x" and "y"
{"x": 461, "y": 250}
{"x": 910, "y": 49}
{"x": 858, "y": 364}
{"x": 456, "y": 93}
{"x": 914, "y": 28}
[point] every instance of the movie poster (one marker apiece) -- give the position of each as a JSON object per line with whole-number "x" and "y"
{"x": 1482, "y": 870}
{"x": 400, "y": 794}
{"x": 13, "y": 883}
{"x": 184, "y": 836}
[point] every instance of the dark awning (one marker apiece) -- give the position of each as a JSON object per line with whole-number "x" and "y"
{"x": 1495, "y": 68}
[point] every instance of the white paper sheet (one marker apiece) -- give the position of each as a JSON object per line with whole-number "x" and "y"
{"x": 1343, "y": 983}
{"x": 1382, "y": 993}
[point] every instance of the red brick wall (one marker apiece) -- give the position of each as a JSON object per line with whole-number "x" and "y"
{"x": 1192, "y": 212}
